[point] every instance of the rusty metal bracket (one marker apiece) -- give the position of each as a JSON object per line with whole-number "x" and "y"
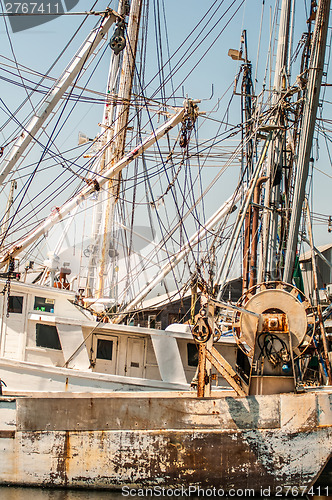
{"x": 226, "y": 370}
{"x": 201, "y": 382}
{"x": 208, "y": 355}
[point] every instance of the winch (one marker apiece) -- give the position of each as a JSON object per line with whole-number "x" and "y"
{"x": 274, "y": 336}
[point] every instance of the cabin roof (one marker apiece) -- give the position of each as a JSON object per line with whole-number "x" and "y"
{"x": 307, "y": 255}
{"x": 164, "y": 299}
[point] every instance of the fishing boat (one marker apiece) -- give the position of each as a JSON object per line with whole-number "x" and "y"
{"x": 258, "y": 419}
{"x": 70, "y": 351}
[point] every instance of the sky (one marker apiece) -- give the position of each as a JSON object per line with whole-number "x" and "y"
{"x": 206, "y": 75}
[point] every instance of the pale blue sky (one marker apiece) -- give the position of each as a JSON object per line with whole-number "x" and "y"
{"x": 38, "y": 47}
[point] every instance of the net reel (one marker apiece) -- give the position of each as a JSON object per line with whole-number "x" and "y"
{"x": 277, "y": 336}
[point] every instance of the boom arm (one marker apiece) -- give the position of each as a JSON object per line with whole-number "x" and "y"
{"x": 59, "y": 213}
{"x": 51, "y": 100}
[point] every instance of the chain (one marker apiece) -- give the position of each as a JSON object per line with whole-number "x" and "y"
{"x": 188, "y": 122}
{"x": 6, "y": 288}
{"x": 186, "y": 129}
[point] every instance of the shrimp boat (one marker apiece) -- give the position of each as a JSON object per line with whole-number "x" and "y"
{"x": 153, "y": 364}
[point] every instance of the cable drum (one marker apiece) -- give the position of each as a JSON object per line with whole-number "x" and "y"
{"x": 273, "y": 298}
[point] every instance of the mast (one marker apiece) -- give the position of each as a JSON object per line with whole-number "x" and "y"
{"x": 228, "y": 257}
{"x": 115, "y": 152}
{"x": 315, "y": 72}
{"x": 13, "y": 186}
{"x": 107, "y": 133}
{"x": 268, "y": 266}
{"x": 248, "y": 152}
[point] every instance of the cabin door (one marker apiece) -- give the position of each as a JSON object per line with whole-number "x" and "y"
{"x": 105, "y": 348}
{"x": 135, "y": 357}
{"x": 14, "y": 327}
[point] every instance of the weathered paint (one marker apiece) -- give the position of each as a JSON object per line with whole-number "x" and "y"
{"x": 108, "y": 442}
{"x": 146, "y": 413}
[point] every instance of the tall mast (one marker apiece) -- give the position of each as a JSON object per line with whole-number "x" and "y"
{"x": 115, "y": 152}
{"x": 248, "y": 150}
{"x": 275, "y": 161}
{"x": 13, "y": 186}
{"x": 107, "y": 134}
{"x": 315, "y": 72}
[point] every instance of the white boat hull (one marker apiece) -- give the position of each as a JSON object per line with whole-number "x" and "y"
{"x": 23, "y": 377}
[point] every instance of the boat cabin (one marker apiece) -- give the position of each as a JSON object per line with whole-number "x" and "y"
{"x": 43, "y": 327}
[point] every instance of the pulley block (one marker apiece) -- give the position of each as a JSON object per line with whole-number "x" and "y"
{"x": 202, "y": 330}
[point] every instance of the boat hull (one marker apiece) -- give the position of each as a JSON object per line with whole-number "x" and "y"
{"x": 114, "y": 441}
{"x": 24, "y": 376}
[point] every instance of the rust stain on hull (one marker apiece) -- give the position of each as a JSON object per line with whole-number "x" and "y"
{"x": 63, "y": 456}
{"x": 173, "y": 459}
{"x": 253, "y": 442}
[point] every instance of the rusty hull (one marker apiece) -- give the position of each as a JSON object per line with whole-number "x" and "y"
{"x": 110, "y": 442}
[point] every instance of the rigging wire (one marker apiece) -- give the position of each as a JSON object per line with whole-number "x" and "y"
{"x": 50, "y": 140}
{"x": 52, "y": 65}
{"x": 160, "y": 223}
{"x": 169, "y": 177}
{"x": 214, "y": 41}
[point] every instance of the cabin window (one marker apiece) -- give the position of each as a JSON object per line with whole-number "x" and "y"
{"x": 105, "y": 349}
{"x": 192, "y": 352}
{"x": 152, "y": 321}
{"x": 15, "y": 304}
{"x": 44, "y": 305}
{"x": 47, "y": 336}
